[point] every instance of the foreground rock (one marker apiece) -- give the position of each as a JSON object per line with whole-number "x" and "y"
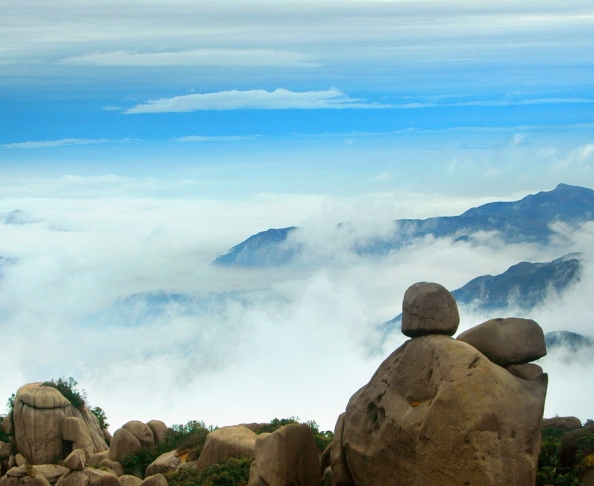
{"x": 226, "y": 443}
{"x": 438, "y": 412}
{"x": 287, "y": 456}
{"x": 428, "y": 308}
{"x": 47, "y": 426}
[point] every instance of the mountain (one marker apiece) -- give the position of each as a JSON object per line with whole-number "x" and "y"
{"x": 526, "y": 220}
{"x": 524, "y": 285}
{"x": 571, "y": 340}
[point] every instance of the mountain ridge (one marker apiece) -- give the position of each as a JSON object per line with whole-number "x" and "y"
{"x": 527, "y": 220}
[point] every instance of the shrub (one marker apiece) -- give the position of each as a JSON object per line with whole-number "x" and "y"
{"x": 67, "y": 387}
{"x": 234, "y": 472}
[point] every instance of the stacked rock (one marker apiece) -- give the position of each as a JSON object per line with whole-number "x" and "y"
{"x": 441, "y": 412}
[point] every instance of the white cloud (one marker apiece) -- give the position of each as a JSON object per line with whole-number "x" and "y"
{"x": 197, "y": 57}
{"x": 221, "y": 138}
{"x": 256, "y": 99}
{"x": 279, "y": 342}
{"x": 36, "y": 144}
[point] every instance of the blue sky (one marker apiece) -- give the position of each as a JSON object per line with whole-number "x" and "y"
{"x": 140, "y": 140}
{"x": 211, "y": 82}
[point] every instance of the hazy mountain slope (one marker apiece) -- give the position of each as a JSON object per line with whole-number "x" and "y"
{"x": 526, "y": 220}
{"x": 524, "y": 285}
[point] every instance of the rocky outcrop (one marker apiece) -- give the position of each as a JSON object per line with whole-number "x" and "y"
{"x": 159, "y": 430}
{"x": 287, "y": 456}
{"x": 142, "y": 432}
{"x": 508, "y": 341}
{"x": 225, "y": 443}
{"x": 438, "y": 412}
{"x": 47, "y": 426}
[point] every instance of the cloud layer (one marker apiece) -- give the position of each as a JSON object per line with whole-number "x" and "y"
{"x": 118, "y": 292}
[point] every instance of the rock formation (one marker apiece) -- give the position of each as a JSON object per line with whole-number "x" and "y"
{"x": 287, "y": 456}
{"x": 47, "y": 426}
{"x": 227, "y": 442}
{"x": 439, "y": 412}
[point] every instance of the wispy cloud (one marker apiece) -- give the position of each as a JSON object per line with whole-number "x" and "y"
{"x": 222, "y": 138}
{"x": 256, "y": 99}
{"x": 198, "y": 57}
{"x": 35, "y": 144}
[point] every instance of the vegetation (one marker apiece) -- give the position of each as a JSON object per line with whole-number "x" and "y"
{"x": 234, "y": 472}
{"x": 550, "y": 471}
{"x": 187, "y": 439}
{"x": 67, "y": 387}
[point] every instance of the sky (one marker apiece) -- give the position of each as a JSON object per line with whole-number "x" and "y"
{"x": 141, "y": 140}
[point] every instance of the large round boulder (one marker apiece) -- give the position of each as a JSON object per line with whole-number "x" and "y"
{"x": 437, "y": 412}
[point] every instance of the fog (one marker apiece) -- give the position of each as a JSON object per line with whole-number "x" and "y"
{"x": 119, "y": 292}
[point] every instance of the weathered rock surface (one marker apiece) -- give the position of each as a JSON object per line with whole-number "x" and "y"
{"x": 526, "y": 371}
{"x": 76, "y": 431}
{"x": 437, "y": 412}
{"x": 5, "y": 450}
{"x": 225, "y": 443}
{"x": 285, "y": 457}
{"x": 429, "y": 308}
{"x": 507, "y": 341}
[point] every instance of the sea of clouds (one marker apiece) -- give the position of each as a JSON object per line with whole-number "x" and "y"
{"x": 116, "y": 289}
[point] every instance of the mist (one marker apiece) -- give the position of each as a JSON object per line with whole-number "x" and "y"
{"x": 119, "y": 292}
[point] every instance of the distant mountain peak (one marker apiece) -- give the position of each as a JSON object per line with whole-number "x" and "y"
{"x": 528, "y": 220}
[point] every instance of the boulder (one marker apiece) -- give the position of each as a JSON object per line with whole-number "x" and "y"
{"x": 225, "y": 443}
{"x": 23, "y": 477}
{"x": 129, "y": 480}
{"x": 507, "y": 341}
{"x": 526, "y": 371}
{"x": 429, "y": 308}
{"x": 159, "y": 430}
{"x": 437, "y": 412}
{"x": 566, "y": 424}
{"x": 113, "y": 466}
{"x": 142, "y": 432}
{"x": 287, "y": 456}
{"x": 38, "y": 415}
{"x": 122, "y": 444}
{"x": 75, "y": 460}
{"x": 169, "y": 461}
{"x": 156, "y": 480}
{"x": 96, "y": 458}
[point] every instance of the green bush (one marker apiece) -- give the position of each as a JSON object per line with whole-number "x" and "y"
{"x": 234, "y": 472}
{"x": 188, "y": 438}
{"x": 67, "y": 387}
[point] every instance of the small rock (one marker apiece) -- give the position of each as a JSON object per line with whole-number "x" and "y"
{"x": 429, "y": 308}
{"x": 75, "y": 460}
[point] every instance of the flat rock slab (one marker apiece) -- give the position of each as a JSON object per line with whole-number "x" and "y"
{"x": 507, "y": 341}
